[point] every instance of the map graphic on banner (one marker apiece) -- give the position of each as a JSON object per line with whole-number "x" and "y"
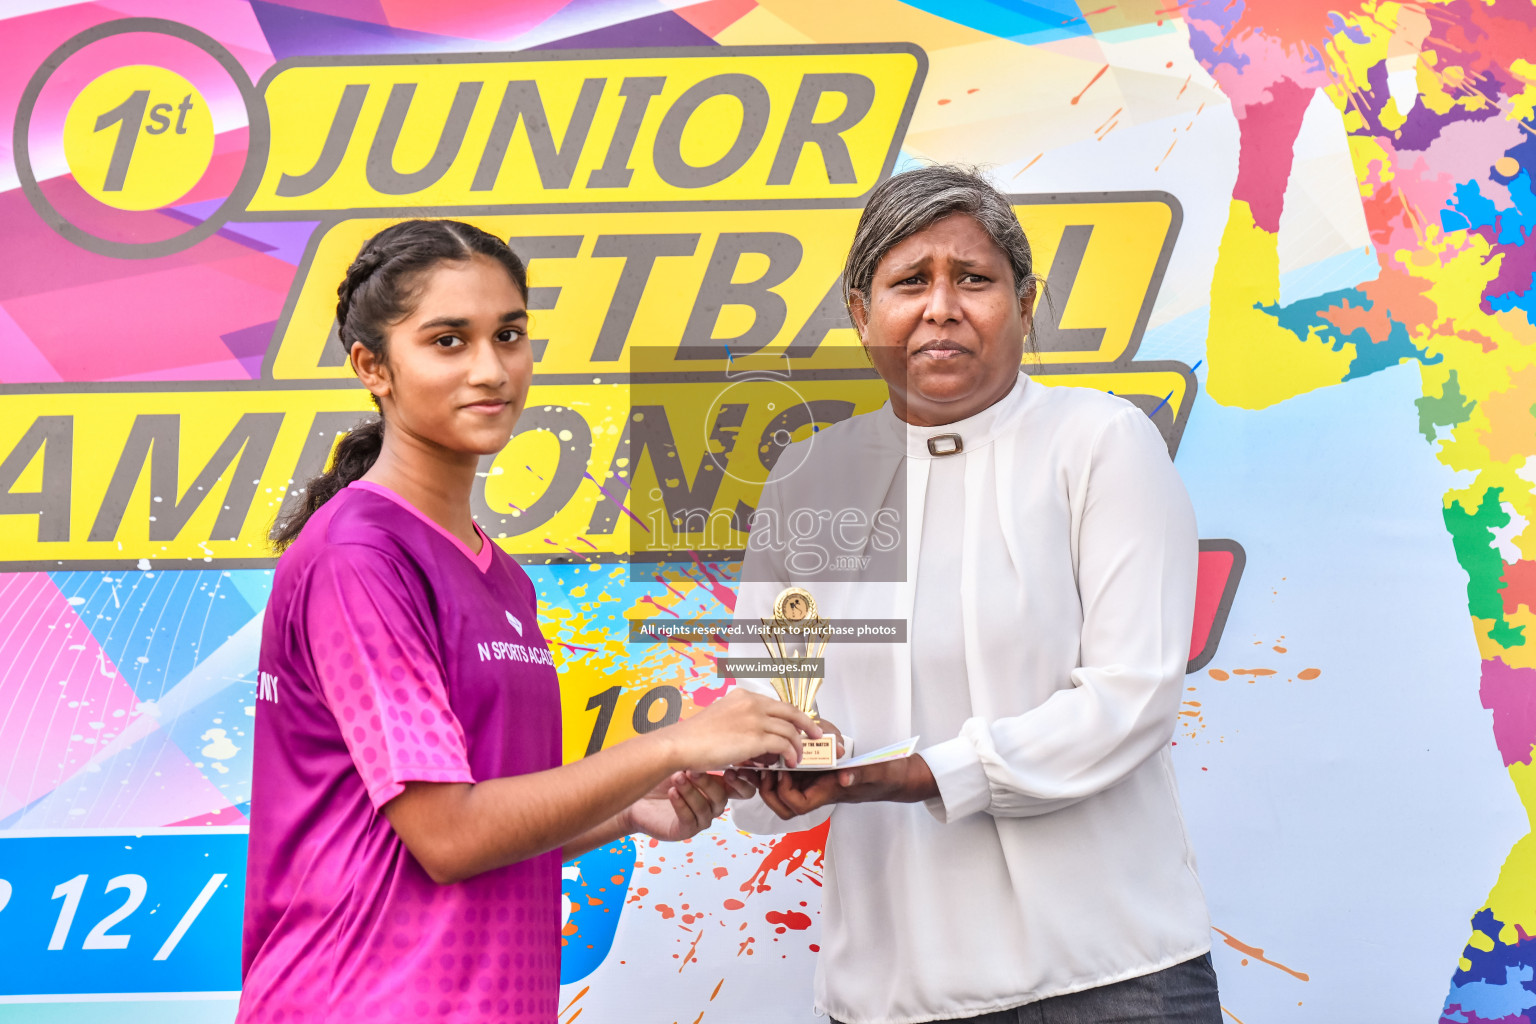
{"x": 1293, "y": 233}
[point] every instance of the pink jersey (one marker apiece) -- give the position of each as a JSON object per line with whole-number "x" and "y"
{"x": 390, "y": 654}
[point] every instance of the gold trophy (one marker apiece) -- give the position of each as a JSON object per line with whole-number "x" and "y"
{"x": 797, "y": 631}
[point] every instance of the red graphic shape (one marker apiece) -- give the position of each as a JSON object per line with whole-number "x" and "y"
{"x": 792, "y": 852}
{"x": 1221, "y": 566}
{"x": 789, "y": 919}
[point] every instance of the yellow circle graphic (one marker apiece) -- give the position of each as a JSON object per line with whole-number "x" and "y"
{"x": 138, "y": 137}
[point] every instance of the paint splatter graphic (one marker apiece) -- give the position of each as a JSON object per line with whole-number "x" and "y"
{"x": 1444, "y": 166}
{"x": 696, "y": 885}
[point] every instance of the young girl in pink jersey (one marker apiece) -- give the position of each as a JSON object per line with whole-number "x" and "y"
{"x": 409, "y": 809}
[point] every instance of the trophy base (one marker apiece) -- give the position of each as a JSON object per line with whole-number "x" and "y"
{"x": 820, "y": 753}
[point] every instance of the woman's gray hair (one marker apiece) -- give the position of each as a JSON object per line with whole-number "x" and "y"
{"x": 903, "y": 205}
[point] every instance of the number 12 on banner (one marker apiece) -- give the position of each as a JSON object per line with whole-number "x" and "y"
{"x": 100, "y": 937}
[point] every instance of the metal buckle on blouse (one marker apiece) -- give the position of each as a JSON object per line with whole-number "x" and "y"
{"x": 945, "y": 444}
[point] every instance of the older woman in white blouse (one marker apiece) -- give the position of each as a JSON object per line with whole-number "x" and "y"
{"x": 1030, "y": 863}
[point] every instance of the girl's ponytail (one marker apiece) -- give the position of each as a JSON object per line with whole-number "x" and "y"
{"x": 355, "y": 454}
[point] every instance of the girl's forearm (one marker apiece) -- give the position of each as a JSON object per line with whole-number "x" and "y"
{"x": 459, "y": 830}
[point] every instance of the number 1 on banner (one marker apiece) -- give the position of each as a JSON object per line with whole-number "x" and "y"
{"x": 191, "y": 915}
{"x": 71, "y": 890}
{"x": 128, "y": 116}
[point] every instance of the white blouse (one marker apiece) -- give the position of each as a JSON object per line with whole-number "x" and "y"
{"x": 1055, "y": 560}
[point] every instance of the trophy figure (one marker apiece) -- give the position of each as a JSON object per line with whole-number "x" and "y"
{"x": 797, "y": 631}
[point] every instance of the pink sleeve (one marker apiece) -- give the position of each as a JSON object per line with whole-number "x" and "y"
{"x": 376, "y": 658}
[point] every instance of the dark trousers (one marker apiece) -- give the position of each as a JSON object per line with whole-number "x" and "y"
{"x": 1182, "y": 994}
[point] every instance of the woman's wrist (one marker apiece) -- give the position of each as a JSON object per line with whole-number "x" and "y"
{"x": 919, "y": 783}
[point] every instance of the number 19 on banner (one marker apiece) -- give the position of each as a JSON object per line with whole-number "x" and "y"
{"x": 121, "y": 914}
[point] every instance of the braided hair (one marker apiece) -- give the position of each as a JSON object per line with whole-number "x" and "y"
{"x": 380, "y": 289}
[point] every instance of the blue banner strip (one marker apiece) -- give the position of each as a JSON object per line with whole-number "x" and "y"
{"x": 121, "y": 914}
